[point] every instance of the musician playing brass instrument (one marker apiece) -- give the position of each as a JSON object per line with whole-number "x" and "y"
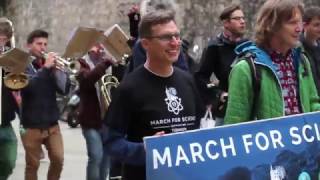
{"x": 93, "y": 66}
{"x": 40, "y": 113}
{"x": 8, "y": 140}
{"x": 68, "y": 66}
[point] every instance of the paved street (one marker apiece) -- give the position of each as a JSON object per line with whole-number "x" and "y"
{"x": 75, "y": 156}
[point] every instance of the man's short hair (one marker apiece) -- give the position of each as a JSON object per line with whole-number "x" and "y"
{"x": 310, "y": 13}
{"x": 155, "y": 5}
{"x": 271, "y": 17}
{"x": 153, "y": 18}
{"x": 226, "y": 13}
{"x": 6, "y": 27}
{"x": 38, "y": 33}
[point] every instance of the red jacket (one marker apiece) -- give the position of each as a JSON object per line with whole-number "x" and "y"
{"x": 89, "y": 109}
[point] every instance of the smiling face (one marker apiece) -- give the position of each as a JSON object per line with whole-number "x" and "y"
{"x": 288, "y": 34}
{"x": 163, "y": 46}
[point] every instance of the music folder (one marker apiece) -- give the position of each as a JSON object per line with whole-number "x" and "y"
{"x": 115, "y": 42}
{"x": 14, "y": 60}
{"x": 80, "y": 42}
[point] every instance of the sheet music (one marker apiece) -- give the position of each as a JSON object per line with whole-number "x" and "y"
{"x": 14, "y": 60}
{"x": 115, "y": 42}
{"x": 80, "y": 42}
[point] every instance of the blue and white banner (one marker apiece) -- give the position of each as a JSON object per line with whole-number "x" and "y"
{"x": 283, "y": 148}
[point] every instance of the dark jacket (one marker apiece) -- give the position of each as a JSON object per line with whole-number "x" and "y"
{"x": 39, "y": 104}
{"x": 216, "y": 58}
{"x": 89, "y": 109}
{"x": 313, "y": 53}
{"x": 9, "y": 106}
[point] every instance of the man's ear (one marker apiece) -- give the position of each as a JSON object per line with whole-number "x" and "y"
{"x": 145, "y": 43}
{"x": 226, "y": 23}
{"x": 28, "y": 46}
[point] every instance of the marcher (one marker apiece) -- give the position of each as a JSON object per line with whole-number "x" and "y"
{"x": 273, "y": 77}
{"x": 40, "y": 113}
{"x": 311, "y": 41}
{"x": 218, "y": 57}
{"x": 93, "y": 67}
{"x": 285, "y": 85}
{"x": 153, "y": 92}
{"x": 8, "y": 139}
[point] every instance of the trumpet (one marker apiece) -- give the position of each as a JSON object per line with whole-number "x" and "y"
{"x": 107, "y": 83}
{"x": 71, "y": 67}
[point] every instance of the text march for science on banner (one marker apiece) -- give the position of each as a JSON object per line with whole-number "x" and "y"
{"x": 284, "y": 148}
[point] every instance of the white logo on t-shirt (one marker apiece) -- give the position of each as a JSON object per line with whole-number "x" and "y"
{"x": 173, "y": 101}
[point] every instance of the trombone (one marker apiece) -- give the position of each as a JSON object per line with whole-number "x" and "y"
{"x": 71, "y": 67}
{"x": 12, "y": 80}
{"x": 15, "y": 81}
{"x": 108, "y": 81}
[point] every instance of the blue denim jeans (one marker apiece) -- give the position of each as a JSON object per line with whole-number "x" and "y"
{"x": 98, "y": 162}
{"x": 8, "y": 151}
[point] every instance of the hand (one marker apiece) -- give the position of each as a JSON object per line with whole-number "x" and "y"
{"x": 157, "y": 134}
{"x": 223, "y": 100}
{"x": 134, "y": 9}
{"x": 160, "y": 133}
{"x": 223, "y": 96}
{"x": 50, "y": 60}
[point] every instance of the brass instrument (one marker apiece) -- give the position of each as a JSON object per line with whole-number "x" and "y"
{"x": 12, "y": 80}
{"x": 15, "y": 81}
{"x": 71, "y": 67}
{"x": 107, "y": 83}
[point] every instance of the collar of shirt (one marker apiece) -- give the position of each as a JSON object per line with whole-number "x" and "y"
{"x": 278, "y": 57}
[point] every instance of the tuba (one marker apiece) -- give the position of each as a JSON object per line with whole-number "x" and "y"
{"x": 12, "y": 80}
{"x": 108, "y": 82}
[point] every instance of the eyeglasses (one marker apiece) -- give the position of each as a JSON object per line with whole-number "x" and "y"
{"x": 237, "y": 18}
{"x": 167, "y": 37}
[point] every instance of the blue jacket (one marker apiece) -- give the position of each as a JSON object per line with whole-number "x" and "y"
{"x": 39, "y": 104}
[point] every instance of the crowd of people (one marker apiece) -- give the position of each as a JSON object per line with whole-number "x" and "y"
{"x": 272, "y": 74}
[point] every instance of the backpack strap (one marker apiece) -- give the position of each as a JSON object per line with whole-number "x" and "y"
{"x": 304, "y": 57}
{"x": 256, "y": 82}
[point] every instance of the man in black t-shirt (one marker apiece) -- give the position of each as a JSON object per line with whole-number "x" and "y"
{"x": 154, "y": 99}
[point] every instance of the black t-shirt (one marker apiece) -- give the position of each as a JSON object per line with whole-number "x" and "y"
{"x": 145, "y": 104}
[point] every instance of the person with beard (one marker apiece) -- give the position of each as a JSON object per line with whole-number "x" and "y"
{"x": 218, "y": 57}
{"x": 40, "y": 113}
{"x": 93, "y": 67}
